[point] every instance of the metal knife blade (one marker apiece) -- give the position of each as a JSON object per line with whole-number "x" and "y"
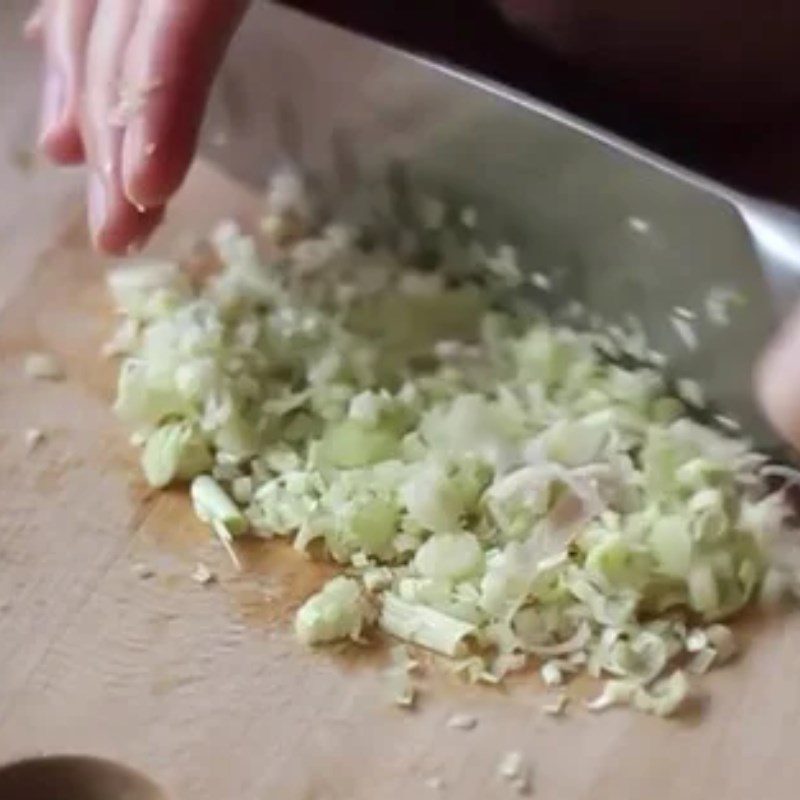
{"x": 626, "y": 232}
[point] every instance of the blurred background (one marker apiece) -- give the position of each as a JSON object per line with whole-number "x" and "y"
{"x": 31, "y": 198}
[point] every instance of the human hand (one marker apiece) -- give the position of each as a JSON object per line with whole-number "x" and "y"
{"x": 125, "y": 87}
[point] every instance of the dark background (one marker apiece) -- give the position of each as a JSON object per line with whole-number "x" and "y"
{"x": 753, "y": 150}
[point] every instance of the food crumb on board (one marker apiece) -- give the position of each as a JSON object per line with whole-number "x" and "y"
{"x": 203, "y": 575}
{"x": 513, "y": 769}
{"x": 435, "y": 782}
{"x": 43, "y": 366}
{"x": 34, "y": 437}
{"x": 462, "y": 722}
{"x": 558, "y": 707}
{"x": 142, "y": 570}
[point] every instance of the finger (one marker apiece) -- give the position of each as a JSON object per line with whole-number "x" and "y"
{"x": 118, "y": 229}
{"x": 174, "y": 56}
{"x": 66, "y": 30}
{"x": 778, "y": 381}
{"x": 33, "y": 29}
{"x": 115, "y": 223}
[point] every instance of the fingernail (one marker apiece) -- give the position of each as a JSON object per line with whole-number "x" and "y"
{"x": 98, "y": 205}
{"x": 778, "y": 381}
{"x": 52, "y": 101}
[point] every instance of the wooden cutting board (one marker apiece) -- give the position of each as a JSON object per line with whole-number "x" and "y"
{"x": 204, "y": 689}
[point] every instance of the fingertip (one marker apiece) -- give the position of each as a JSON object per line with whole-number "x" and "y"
{"x": 62, "y": 143}
{"x": 153, "y": 169}
{"x": 777, "y": 381}
{"x": 117, "y": 227}
{"x": 128, "y": 233}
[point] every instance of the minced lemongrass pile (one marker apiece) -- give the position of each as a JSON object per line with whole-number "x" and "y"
{"x": 495, "y": 489}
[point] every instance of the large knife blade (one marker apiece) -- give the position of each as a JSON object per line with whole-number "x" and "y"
{"x": 625, "y": 232}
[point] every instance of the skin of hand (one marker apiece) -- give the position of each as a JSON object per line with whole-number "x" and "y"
{"x": 125, "y": 87}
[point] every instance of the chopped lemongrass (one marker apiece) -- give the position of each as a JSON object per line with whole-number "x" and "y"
{"x": 424, "y": 626}
{"x": 684, "y": 313}
{"x": 551, "y": 674}
{"x": 339, "y": 611}
{"x": 686, "y": 332}
{"x": 720, "y": 303}
{"x": 43, "y": 366}
{"x": 505, "y": 490}
{"x": 213, "y": 505}
{"x": 175, "y": 451}
{"x": 665, "y": 697}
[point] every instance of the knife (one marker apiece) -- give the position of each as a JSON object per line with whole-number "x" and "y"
{"x": 616, "y": 229}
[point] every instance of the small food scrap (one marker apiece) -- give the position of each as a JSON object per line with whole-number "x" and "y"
{"x": 558, "y": 707}
{"x": 468, "y": 217}
{"x": 691, "y": 392}
{"x": 683, "y": 312}
{"x": 686, "y": 331}
{"x": 715, "y": 645}
{"x": 541, "y": 281}
{"x": 638, "y": 225}
{"x": 213, "y": 506}
{"x": 505, "y": 264}
{"x": 727, "y": 423}
{"x": 663, "y": 699}
{"x": 424, "y": 626}
{"x": 43, "y": 366}
{"x": 398, "y": 675}
{"x": 203, "y": 575}
{"x": 339, "y": 611}
{"x": 720, "y": 303}
{"x": 512, "y": 768}
{"x": 435, "y": 782}
{"x": 142, "y": 570}
{"x": 551, "y": 674}
{"x": 615, "y": 693}
{"x": 34, "y": 437}
{"x": 721, "y": 638}
{"x": 462, "y": 722}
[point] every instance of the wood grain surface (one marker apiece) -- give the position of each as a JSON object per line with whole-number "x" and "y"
{"x": 203, "y": 688}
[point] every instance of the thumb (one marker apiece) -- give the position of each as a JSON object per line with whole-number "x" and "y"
{"x": 778, "y": 381}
